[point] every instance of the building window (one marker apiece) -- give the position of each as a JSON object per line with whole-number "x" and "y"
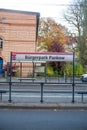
{"x": 1, "y": 42}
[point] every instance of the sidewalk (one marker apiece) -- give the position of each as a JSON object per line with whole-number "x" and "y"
{"x": 45, "y": 105}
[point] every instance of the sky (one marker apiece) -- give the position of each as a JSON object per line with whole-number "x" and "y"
{"x": 47, "y": 8}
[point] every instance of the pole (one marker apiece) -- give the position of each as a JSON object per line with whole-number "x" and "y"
{"x": 73, "y": 83}
{"x": 41, "y": 93}
{"x": 20, "y": 69}
{"x": 45, "y": 72}
{"x": 10, "y": 83}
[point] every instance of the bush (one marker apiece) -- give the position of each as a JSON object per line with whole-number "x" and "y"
{"x": 17, "y": 73}
{"x": 78, "y": 69}
{"x": 50, "y": 71}
{"x": 69, "y": 69}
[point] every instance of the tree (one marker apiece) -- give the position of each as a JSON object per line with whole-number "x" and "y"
{"x": 77, "y": 16}
{"x": 83, "y": 55}
{"x": 50, "y": 31}
{"x": 57, "y": 47}
{"x": 74, "y": 15}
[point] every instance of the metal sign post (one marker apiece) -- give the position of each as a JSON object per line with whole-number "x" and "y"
{"x": 10, "y": 83}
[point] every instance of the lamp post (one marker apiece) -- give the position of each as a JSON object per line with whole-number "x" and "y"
{"x": 73, "y": 83}
{"x": 73, "y": 41}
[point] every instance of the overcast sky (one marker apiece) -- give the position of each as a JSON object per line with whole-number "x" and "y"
{"x": 47, "y": 8}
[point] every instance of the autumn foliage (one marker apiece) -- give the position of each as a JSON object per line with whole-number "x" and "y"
{"x": 56, "y": 47}
{"x": 49, "y": 32}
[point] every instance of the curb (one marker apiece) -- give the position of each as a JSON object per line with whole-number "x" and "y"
{"x": 44, "y": 106}
{"x": 28, "y": 106}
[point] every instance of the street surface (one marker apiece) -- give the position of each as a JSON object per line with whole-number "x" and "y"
{"x": 42, "y": 120}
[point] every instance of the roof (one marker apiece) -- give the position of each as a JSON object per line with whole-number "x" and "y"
{"x": 20, "y": 11}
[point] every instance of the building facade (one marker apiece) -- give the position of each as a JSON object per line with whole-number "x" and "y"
{"x": 18, "y": 33}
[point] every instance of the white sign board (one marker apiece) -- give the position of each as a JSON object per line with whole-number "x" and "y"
{"x": 42, "y": 57}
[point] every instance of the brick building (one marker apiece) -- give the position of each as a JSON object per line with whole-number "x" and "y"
{"x": 18, "y": 33}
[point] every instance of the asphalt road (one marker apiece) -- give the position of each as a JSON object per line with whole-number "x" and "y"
{"x": 42, "y": 120}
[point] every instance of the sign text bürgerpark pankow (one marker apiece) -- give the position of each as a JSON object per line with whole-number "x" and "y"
{"x": 42, "y": 57}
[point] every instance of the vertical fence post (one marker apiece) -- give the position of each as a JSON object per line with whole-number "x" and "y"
{"x": 10, "y": 80}
{"x": 41, "y": 93}
{"x": 45, "y": 72}
{"x": 20, "y": 69}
